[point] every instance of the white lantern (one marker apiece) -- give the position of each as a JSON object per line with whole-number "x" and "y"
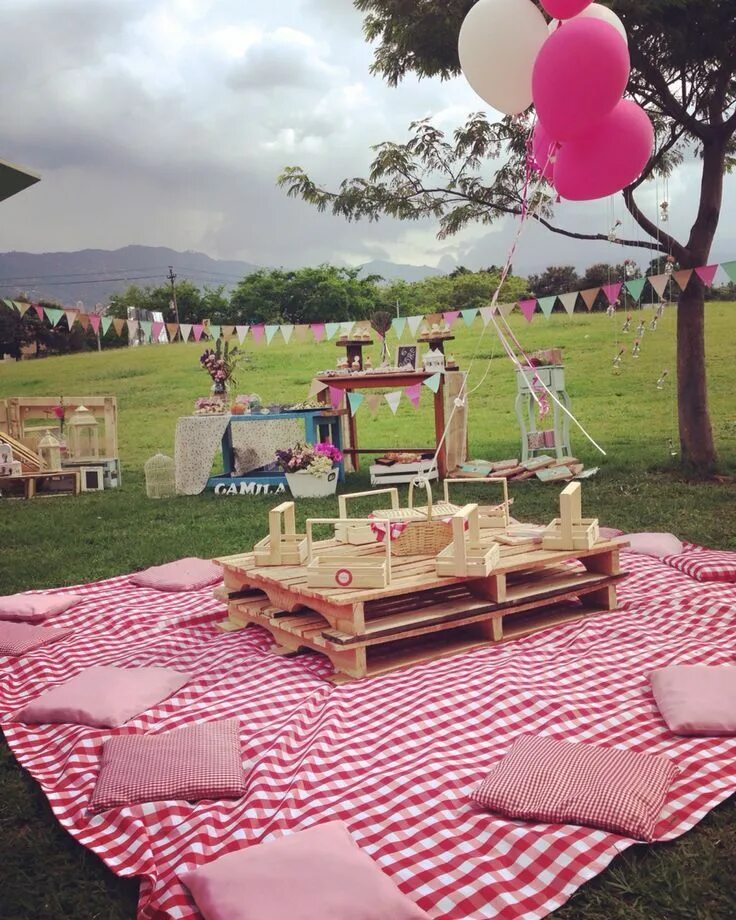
{"x": 49, "y": 450}
{"x": 83, "y": 436}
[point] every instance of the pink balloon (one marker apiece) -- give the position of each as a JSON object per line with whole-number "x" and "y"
{"x": 544, "y": 149}
{"x": 579, "y": 75}
{"x": 564, "y": 9}
{"x": 608, "y": 158}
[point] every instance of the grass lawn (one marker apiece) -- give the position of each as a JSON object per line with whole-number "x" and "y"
{"x": 67, "y": 541}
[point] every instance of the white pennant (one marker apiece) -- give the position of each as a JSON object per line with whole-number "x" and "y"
{"x": 347, "y": 328}
{"x": 286, "y": 331}
{"x": 185, "y": 329}
{"x": 486, "y": 314}
{"x": 659, "y": 283}
{"x": 242, "y": 332}
{"x": 568, "y": 301}
{"x": 393, "y": 399}
{"x": 414, "y": 322}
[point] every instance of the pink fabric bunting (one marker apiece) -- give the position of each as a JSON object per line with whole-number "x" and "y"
{"x": 450, "y": 316}
{"x": 197, "y": 329}
{"x": 336, "y": 397}
{"x": 612, "y": 291}
{"x": 156, "y": 329}
{"x": 257, "y": 332}
{"x": 39, "y": 310}
{"x": 528, "y": 307}
{"x": 707, "y": 273}
{"x": 318, "y": 331}
{"x": 413, "y": 394}
{"x": 94, "y": 321}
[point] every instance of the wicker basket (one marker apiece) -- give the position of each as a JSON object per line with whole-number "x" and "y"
{"x": 424, "y": 536}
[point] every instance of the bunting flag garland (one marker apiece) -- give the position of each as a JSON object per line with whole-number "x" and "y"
{"x": 589, "y": 295}
{"x": 393, "y": 399}
{"x": 71, "y": 315}
{"x": 23, "y": 308}
{"x": 355, "y": 400}
{"x": 449, "y": 316}
{"x": 318, "y": 331}
{"x": 707, "y": 273}
{"x": 373, "y": 401}
{"x": 413, "y": 394}
{"x": 659, "y": 283}
{"x": 132, "y": 328}
{"x": 185, "y": 329}
{"x": 414, "y": 322}
{"x": 682, "y": 278}
{"x": 611, "y": 291}
{"x": 635, "y": 287}
{"x": 241, "y": 332}
{"x": 433, "y": 382}
{"x": 347, "y": 327}
{"x": 227, "y": 332}
{"x": 118, "y": 325}
{"x": 398, "y": 324}
{"x": 83, "y": 320}
{"x": 270, "y": 331}
{"x": 39, "y": 310}
{"x": 257, "y": 332}
{"x": 213, "y": 332}
{"x": 317, "y": 387}
{"x": 94, "y": 321}
{"x": 198, "y": 330}
{"x": 469, "y": 316}
{"x": 506, "y": 308}
{"x": 53, "y": 315}
{"x": 528, "y": 307}
{"x": 547, "y": 305}
{"x": 106, "y": 323}
{"x": 171, "y": 328}
{"x": 335, "y": 397}
{"x": 301, "y": 332}
{"x": 730, "y": 269}
{"x": 145, "y": 326}
{"x": 568, "y": 301}
{"x": 331, "y": 329}
{"x": 287, "y": 331}
{"x": 485, "y": 314}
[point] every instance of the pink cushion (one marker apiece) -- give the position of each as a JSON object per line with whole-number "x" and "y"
{"x": 653, "y": 544}
{"x": 183, "y": 575}
{"x": 608, "y": 533}
{"x": 32, "y": 608}
{"x": 18, "y": 638}
{"x": 103, "y": 697}
{"x": 316, "y": 874}
{"x": 706, "y": 565}
{"x": 196, "y": 762}
{"x": 559, "y": 782}
{"x": 696, "y": 699}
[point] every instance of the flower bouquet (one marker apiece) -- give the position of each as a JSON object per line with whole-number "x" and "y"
{"x": 310, "y": 469}
{"x": 220, "y": 363}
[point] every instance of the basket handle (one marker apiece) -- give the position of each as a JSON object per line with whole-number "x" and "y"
{"x": 428, "y": 489}
{"x": 503, "y": 505}
{"x": 342, "y": 500}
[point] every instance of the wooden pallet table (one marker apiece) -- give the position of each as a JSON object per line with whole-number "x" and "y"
{"x": 419, "y": 615}
{"x": 30, "y": 485}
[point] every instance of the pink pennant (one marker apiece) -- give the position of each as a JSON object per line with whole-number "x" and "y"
{"x": 335, "y": 397}
{"x": 528, "y": 307}
{"x": 257, "y": 332}
{"x": 39, "y": 310}
{"x": 94, "y": 321}
{"x": 707, "y": 273}
{"x": 450, "y": 316}
{"x": 413, "y": 394}
{"x": 318, "y": 331}
{"x": 197, "y": 329}
{"x": 156, "y": 330}
{"x": 612, "y": 291}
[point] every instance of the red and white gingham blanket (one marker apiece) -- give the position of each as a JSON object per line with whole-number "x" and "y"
{"x": 394, "y": 757}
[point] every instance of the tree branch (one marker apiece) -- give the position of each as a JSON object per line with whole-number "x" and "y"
{"x": 667, "y": 101}
{"x": 665, "y": 242}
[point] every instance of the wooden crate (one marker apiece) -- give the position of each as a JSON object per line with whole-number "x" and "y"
{"x": 283, "y": 545}
{"x": 466, "y": 555}
{"x": 347, "y": 569}
{"x": 570, "y": 530}
{"x": 488, "y": 515}
{"x": 30, "y": 485}
{"x": 26, "y": 418}
{"x": 399, "y": 473}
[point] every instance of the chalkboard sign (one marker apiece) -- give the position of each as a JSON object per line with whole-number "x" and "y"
{"x": 406, "y": 356}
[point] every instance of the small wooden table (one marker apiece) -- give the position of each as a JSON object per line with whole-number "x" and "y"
{"x": 67, "y": 481}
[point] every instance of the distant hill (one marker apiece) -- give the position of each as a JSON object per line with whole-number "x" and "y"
{"x": 92, "y": 275}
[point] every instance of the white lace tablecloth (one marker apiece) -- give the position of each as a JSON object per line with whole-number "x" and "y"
{"x": 198, "y": 439}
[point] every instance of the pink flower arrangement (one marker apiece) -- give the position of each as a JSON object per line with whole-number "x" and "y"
{"x": 316, "y": 459}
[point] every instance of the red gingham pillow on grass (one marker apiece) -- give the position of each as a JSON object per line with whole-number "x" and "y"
{"x": 560, "y": 782}
{"x": 19, "y": 638}
{"x": 705, "y": 565}
{"x": 191, "y": 763}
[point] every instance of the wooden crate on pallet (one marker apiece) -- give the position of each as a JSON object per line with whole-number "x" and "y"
{"x": 283, "y": 545}
{"x": 496, "y": 516}
{"x": 571, "y": 530}
{"x": 346, "y": 570}
{"x": 466, "y": 555}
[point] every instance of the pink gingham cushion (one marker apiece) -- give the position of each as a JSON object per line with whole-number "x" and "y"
{"x": 315, "y": 874}
{"x": 188, "y": 574}
{"x": 191, "y": 763}
{"x": 103, "y": 697}
{"x": 696, "y": 699}
{"x": 560, "y": 782}
{"x": 705, "y": 565}
{"x": 32, "y": 608}
{"x": 19, "y": 638}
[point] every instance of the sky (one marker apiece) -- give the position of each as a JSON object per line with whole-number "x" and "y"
{"x": 166, "y": 123}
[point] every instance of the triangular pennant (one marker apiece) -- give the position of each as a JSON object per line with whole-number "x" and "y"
{"x": 300, "y": 332}
{"x": 730, "y": 269}
{"x": 132, "y": 328}
{"x": 331, "y": 329}
{"x": 414, "y": 322}
{"x": 213, "y": 332}
{"x": 198, "y": 330}
{"x": 257, "y": 332}
{"x": 469, "y": 316}
{"x": 118, "y": 325}
{"x": 184, "y": 330}
{"x": 682, "y": 278}
{"x": 450, "y": 316}
{"x": 611, "y": 291}
{"x": 373, "y": 401}
{"x": 336, "y": 397}
{"x": 355, "y": 399}
{"x": 287, "y": 332}
{"x": 485, "y": 314}
{"x": 106, "y": 323}
{"x": 94, "y": 321}
{"x": 271, "y": 331}
{"x": 156, "y": 329}
{"x": 528, "y": 307}
{"x": 23, "y": 307}
{"x": 145, "y": 325}
{"x": 547, "y": 305}
{"x": 398, "y": 324}
{"x": 568, "y": 301}
{"x": 242, "y": 332}
{"x": 39, "y": 310}
{"x": 659, "y": 283}
{"x": 227, "y": 332}
{"x": 433, "y": 382}
{"x": 318, "y": 331}
{"x": 635, "y": 287}
{"x": 83, "y": 320}
{"x": 413, "y": 394}
{"x": 317, "y": 387}
{"x": 173, "y": 330}
{"x": 707, "y": 273}
{"x": 9, "y": 304}
{"x": 346, "y": 328}
{"x": 589, "y": 295}
{"x": 506, "y": 308}
{"x": 53, "y": 315}
{"x": 393, "y": 399}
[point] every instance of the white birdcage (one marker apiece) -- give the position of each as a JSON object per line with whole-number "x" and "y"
{"x": 160, "y": 476}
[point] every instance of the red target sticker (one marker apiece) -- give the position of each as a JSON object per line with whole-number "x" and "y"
{"x": 343, "y": 577}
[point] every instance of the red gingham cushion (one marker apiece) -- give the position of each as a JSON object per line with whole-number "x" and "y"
{"x": 196, "y": 762}
{"x": 705, "y": 565}
{"x": 18, "y": 638}
{"x": 559, "y": 782}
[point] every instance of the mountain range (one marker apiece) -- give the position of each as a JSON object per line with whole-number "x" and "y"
{"x": 93, "y": 275}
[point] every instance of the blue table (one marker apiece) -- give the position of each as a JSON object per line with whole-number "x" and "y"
{"x": 319, "y": 426}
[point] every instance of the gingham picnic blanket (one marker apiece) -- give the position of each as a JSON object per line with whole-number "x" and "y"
{"x": 393, "y": 757}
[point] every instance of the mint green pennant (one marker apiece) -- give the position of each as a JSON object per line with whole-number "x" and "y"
{"x": 213, "y": 331}
{"x": 398, "y": 324}
{"x": 53, "y": 315}
{"x": 331, "y": 329}
{"x": 355, "y": 399}
{"x": 635, "y": 287}
{"x": 145, "y": 325}
{"x": 547, "y": 304}
{"x": 270, "y": 333}
{"x": 469, "y": 316}
{"x": 730, "y": 269}
{"x": 433, "y": 382}
{"x": 106, "y": 323}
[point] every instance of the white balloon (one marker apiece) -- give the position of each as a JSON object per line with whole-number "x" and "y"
{"x": 498, "y": 43}
{"x": 596, "y": 11}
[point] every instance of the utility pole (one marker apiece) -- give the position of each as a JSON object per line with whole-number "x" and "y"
{"x": 172, "y": 278}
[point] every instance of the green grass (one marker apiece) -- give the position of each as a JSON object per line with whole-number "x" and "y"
{"x": 66, "y": 541}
